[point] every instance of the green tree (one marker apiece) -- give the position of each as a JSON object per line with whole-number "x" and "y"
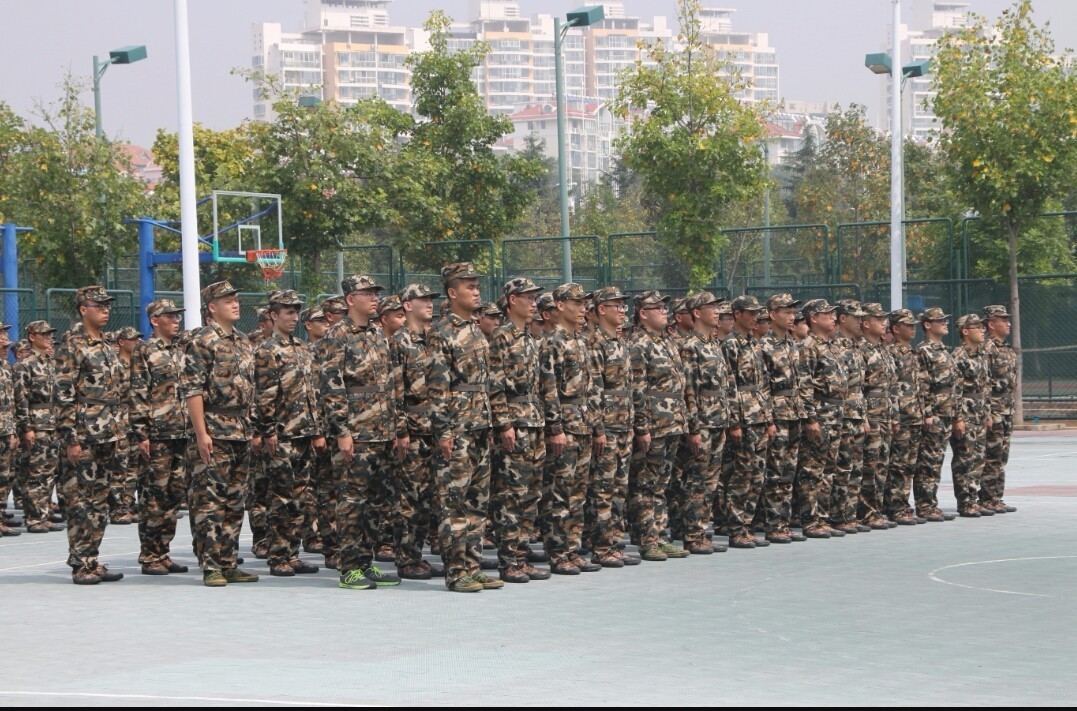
{"x": 1009, "y": 124}
{"x": 543, "y": 216}
{"x": 693, "y": 144}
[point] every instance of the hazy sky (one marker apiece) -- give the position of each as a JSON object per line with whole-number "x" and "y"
{"x": 821, "y": 46}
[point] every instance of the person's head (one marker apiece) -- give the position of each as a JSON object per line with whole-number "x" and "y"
{"x": 762, "y": 325}
{"x": 819, "y": 314}
{"x": 903, "y": 326}
{"x": 283, "y": 311}
{"x": 745, "y": 311}
{"x": 536, "y": 325}
{"x": 126, "y": 340}
{"x": 682, "y": 313}
{"x": 94, "y": 306}
{"x": 361, "y": 296}
{"x": 783, "y": 311}
{"x": 972, "y": 330}
{"x": 610, "y": 305}
{"x": 418, "y": 302}
{"x": 313, "y": 320}
{"x": 547, "y": 311}
{"x": 650, "y": 310}
{"x": 164, "y": 318}
{"x": 704, "y": 306}
{"x": 22, "y": 350}
{"x": 39, "y": 335}
{"x": 489, "y": 318}
{"x": 935, "y": 323}
{"x": 462, "y": 288}
{"x": 334, "y": 309}
{"x": 997, "y": 321}
{"x": 726, "y": 320}
{"x": 521, "y": 297}
{"x": 571, "y": 302}
{"x": 849, "y": 317}
{"x": 391, "y": 314}
{"x": 265, "y": 323}
{"x": 222, "y": 303}
{"x": 800, "y": 328}
{"x": 874, "y": 323}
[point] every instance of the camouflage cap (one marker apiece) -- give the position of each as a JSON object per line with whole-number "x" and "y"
{"x": 39, "y": 327}
{"x": 288, "y": 297}
{"x": 680, "y": 305}
{"x": 162, "y": 306}
{"x": 703, "y": 298}
{"x": 651, "y": 298}
{"x": 312, "y": 314}
{"x": 817, "y": 306}
{"x": 358, "y": 282}
{"x": 875, "y": 310}
{"x": 389, "y": 303}
{"x": 725, "y": 308}
{"x": 607, "y": 293}
{"x": 521, "y": 285}
{"x": 128, "y": 333}
{"x": 459, "y": 270}
{"x": 5, "y": 326}
{"x": 904, "y": 316}
{"x": 20, "y": 345}
{"x": 570, "y": 292}
{"x": 763, "y": 317}
{"x": 969, "y": 320}
{"x": 96, "y": 294}
{"x": 418, "y": 291}
{"x": 782, "y": 301}
{"x": 545, "y": 302}
{"x": 995, "y": 311}
{"x": 800, "y": 317}
{"x": 334, "y": 305}
{"x": 934, "y": 314}
{"x": 217, "y": 290}
{"x": 263, "y": 315}
{"x": 850, "y": 307}
{"x": 491, "y": 309}
{"x": 746, "y": 302}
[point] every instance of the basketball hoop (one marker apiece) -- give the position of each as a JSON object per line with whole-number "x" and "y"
{"x": 271, "y": 262}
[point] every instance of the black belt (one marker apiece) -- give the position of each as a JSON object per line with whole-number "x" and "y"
{"x": 97, "y": 401}
{"x": 520, "y": 399}
{"x": 470, "y": 388}
{"x": 874, "y": 392}
{"x": 747, "y": 388}
{"x": 829, "y": 400}
{"x": 664, "y": 394}
{"x": 359, "y": 389}
{"x": 783, "y": 393}
{"x": 617, "y": 393}
{"x": 228, "y": 411}
{"x": 573, "y": 401}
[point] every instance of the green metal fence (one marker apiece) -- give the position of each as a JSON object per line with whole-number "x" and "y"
{"x": 779, "y": 256}
{"x": 424, "y": 265}
{"x": 539, "y": 258}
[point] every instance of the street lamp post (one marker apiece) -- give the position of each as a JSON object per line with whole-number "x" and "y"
{"x": 580, "y": 18}
{"x": 124, "y": 55}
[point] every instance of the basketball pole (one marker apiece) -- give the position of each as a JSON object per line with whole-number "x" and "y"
{"x": 192, "y": 285}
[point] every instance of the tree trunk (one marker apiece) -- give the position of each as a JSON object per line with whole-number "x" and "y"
{"x": 314, "y": 279}
{"x": 1013, "y": 225}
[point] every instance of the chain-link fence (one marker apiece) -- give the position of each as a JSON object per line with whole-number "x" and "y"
{"x": 540, "y": 259}
{"x": 424, "y": 265}
{"x": 781, "y": 257}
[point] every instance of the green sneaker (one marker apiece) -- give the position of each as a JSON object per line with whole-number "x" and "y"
{"x": 487, "y": 582}
{"x": 654, "y": 553}
{"x": 235, "y": 575}
{"x": 213, "y": 579}
{"x": 355, "y": 580}
{"x": 380, "y": 577}
{"x": 465, "y": 584}
{"x": 673, "y": 551}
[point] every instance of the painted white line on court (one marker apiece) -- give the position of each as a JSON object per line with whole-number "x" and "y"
{"x": 985, "y": 562}
{"x": 54, "y": 562}
{"x": 152, "y": 697}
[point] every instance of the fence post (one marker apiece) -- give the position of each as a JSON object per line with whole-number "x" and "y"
{"x": 146, "y": 277}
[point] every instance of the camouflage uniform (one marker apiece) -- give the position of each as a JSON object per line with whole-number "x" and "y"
{"x": 824, "y": 387}
{"x": 8, "y": 428}
{"x": 1002, "y": 362}
{"x": 939, "y": 377}
{"x": 319, "y": 516}
{"x": 159, "y": 416}
{"x": 849, "y": 467}
{"x": 219, "y": 366}
{"x": 880, "y": 384}
{"x": 909, "y": 402}
{"x": 35, "y": 389}
{"x": 973, "y": 408}
{"x": 389, "y": 504}
{"x": 360, "y": 397}
{"x": 90, "y": 384}
{"x": 122, "y": 503}
{"x": 286, "y": 407}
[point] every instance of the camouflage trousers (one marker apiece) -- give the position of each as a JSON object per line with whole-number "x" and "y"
{"x": 781, "y": 471}
{"x": 702, "y": 473}
{"x": 464, "y": 494}
{"x": 872, "y": 504}
{"x": 160, "y": 490}
{"x": 815, "y": 469}
{"x": 361, "y": 487}
{"x": 7, "y": 469}
{"x": 745, "y": 479}
{"x": 649, "y": 474}
{"x": 290, "y": 470}
{"x": 218, "y": 491}
{"x": 86, "y": 491}
{"x": 257, "y": 501}
{"x": 967, "y": 465}
{"x": 997, "y": 454}
{"x": 39, "y": 478}
{"x": 517, "y": 490}
{"x": 904, "y": 448}
{"x": 563, "y": 499}
{"x": 417, "y": 497}
{"x": 320, "y": 519}
{"x": 124, "y": 484}
{"x": 604, "y": 511}
{"x": 848, "y": 470}
{"x": 726, "y": 472}
{"x": 929, "y": 458}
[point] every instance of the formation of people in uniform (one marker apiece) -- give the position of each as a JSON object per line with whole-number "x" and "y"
{"x": 548, "y": 427}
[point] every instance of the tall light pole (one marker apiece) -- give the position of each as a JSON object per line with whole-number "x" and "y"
{"x": 124, "y": 55}
{"x": 579, "y": 18}
{"x": 192, "y": 281}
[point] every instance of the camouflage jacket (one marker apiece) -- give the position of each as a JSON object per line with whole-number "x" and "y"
{"x": 412, "y": 361}
{"x": 880, "y": 383}
{"x": 939, "y": 377}
{"x": 781, "y": 357}
{"x": 824, "y": 384}
{"x": 1002, "y": 370}
{"x": 514, "y": 378}
{"x": 710, "y": 388}
{"x": 35, "y": 390}
{"x": 220, "y": 368}
{"x": 908, "y": 389}
{"x": 855, "y": 407}
{"x": 358, "y": 387}
{"x": 973, "y": 386}
{"x": 612, "y": 368}
{"x": 569, "y": 394}
{"x": 659, "y": 382}
{"x": 7, "y": 400}
{"x": 459, "y": 380}
{"x": 286, "y": 392}
{"x": 91, "y": 391}
{"x": 158, "y": 408}
{"x": 752, "y": 405}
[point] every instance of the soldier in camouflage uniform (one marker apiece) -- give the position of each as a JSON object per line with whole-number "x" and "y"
{"x": 264, "y": 329}
{"x": 288, "y": 419}
{"x": 459, "y": 385}
{"x": 35, "y": 389}
{"x": 939, "y": 378}
{"x": 752, "y": 414}
{"x": 683, "y": 326}
{"x": 360, "y": 397}
{"x": 824, "y": 387}
{"x": 318, "y": 521}
{"x": 545, "y": 309}
{"x": 159, "y": 421}
{"x": 518, "y": 418}
{"x": 570, "y": 401}
{"x": 391, "y": 318}
{"x": 91, "y": 424}
{"x": 489, "y": 318}
{"x": 218, "y": 384}
{"x": 334, "y": 308}
{"x": 908, "y": 397}
{"x": 972, "y": 416}
{"x": 122, "y": 503}
{"x": 800, "y": 328}
{"x": 781, "y": 357}
{"x": 849, "y": 467}
{"x": 1002, "y": 362}
{"x": 8, "y": 439}
{"x": 658, "y": 383}
{"x": 880, "y": 399}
